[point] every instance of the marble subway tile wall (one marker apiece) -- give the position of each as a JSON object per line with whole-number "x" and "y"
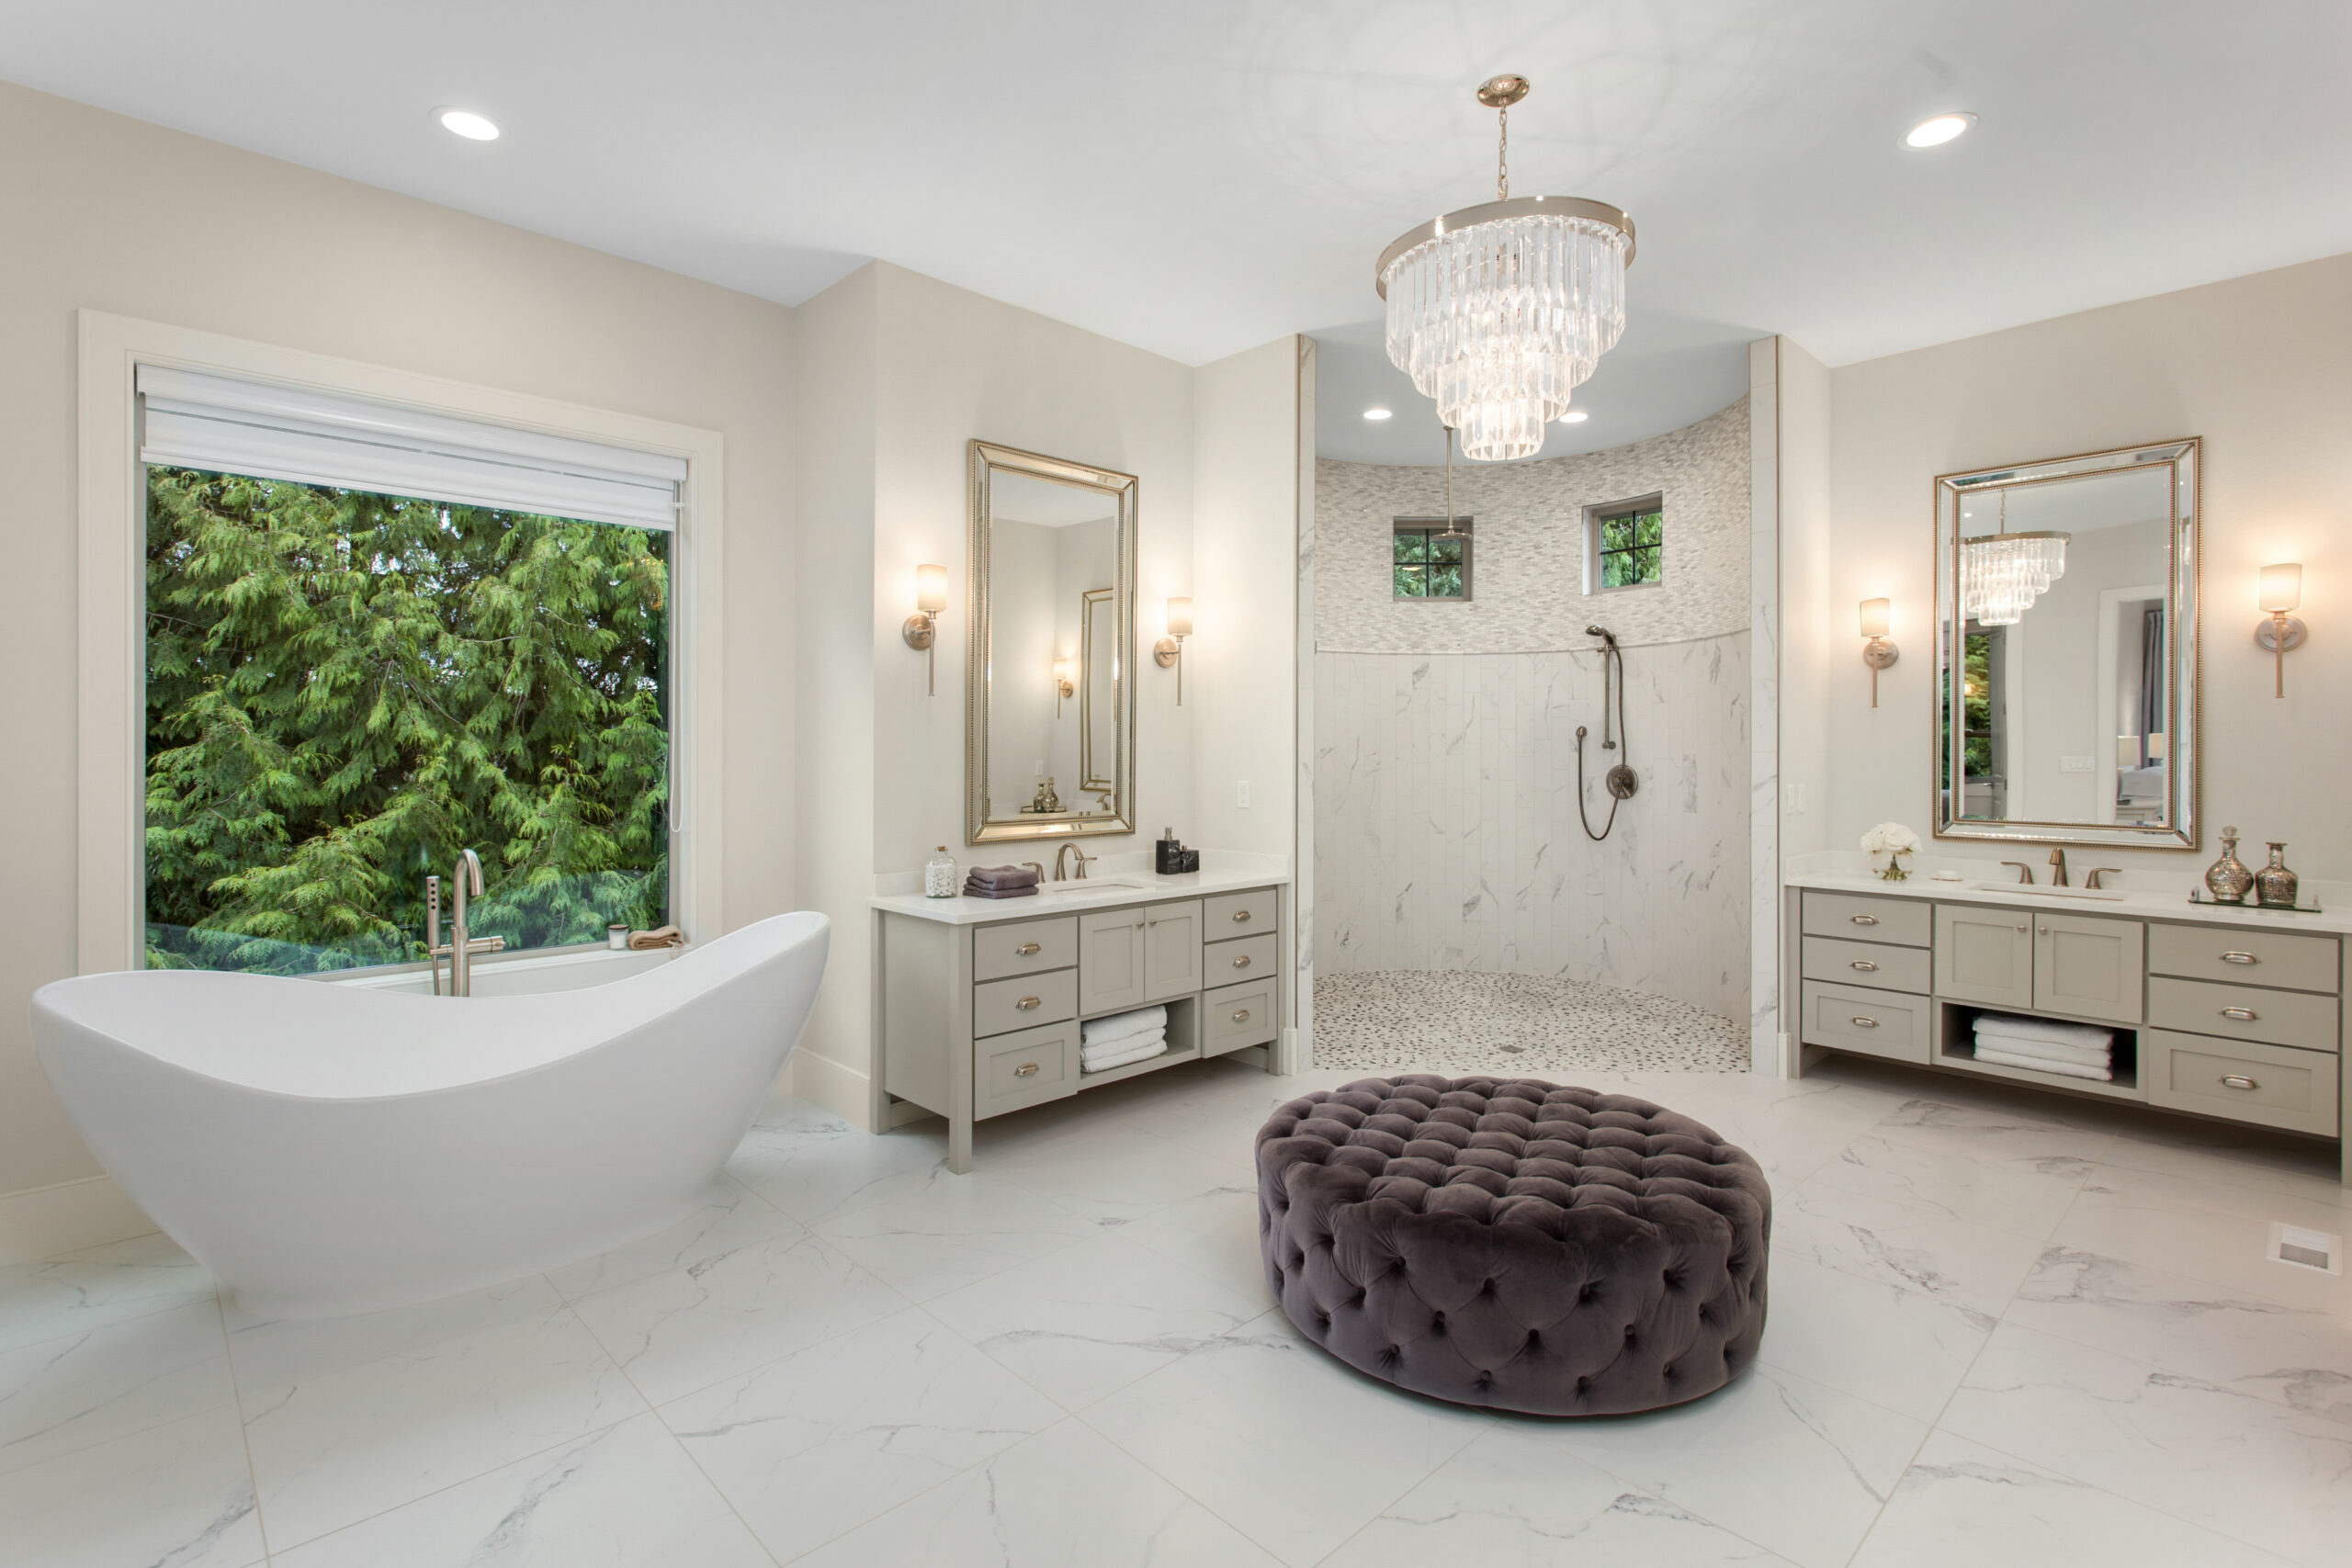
{"x": 1446, "y": 832}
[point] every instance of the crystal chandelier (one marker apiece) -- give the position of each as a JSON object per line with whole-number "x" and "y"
{"x": 2002, "y": 574}
{"x": 1499, "y": 311}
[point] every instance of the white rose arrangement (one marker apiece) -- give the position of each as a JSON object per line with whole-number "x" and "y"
{"x": 1893, "y": 841}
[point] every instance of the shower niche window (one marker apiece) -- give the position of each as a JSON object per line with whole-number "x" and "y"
{"x": 1625, "y": 544}
{"x": 1430, "y": 560}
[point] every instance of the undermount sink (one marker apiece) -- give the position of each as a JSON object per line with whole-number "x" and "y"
{"x": 1086, "y": 887}
{"x": 2101, "y": 894}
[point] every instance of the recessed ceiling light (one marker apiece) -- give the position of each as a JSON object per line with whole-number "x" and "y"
{"x": 468, "y": 124}
{"x": 1937, "y": 131}
{"x": 1575, "y": 416}
{"x": 1375, "y": 413}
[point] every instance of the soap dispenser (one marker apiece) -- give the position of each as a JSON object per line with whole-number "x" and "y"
{"x": 939, "y": 875}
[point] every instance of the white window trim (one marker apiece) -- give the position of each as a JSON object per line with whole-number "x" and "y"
{"x": 110, "y": 830}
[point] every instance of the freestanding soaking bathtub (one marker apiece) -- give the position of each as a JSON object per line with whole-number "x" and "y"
{"x": 329, "y": 1149}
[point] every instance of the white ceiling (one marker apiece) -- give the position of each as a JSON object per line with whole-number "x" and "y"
{"x": 1199, "y": 178}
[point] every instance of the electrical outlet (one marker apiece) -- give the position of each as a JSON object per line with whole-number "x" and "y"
{"x": 1242, "y": 793}
{"x": 1792, "y": 799}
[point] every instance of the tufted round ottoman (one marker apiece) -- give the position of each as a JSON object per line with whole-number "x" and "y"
{"x": 1507, "y": 1243}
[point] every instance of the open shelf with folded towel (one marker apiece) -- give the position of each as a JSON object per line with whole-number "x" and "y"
{"x": 1128, "y": 1053}
{"x": 2057, "y": 1053}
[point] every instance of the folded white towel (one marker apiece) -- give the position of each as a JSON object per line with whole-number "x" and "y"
{"x": 2041, "y": 1065}
{"x": 2045, "y": 1028}
{"x": 1121, "y": 1046}
{"x": 1142, "y": 1021}
{"x": 2081, "y": 1055}
{"x": 1125, "y": 1058}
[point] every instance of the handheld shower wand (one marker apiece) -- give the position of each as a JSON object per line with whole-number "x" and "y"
{"x": 1621, "y": 781}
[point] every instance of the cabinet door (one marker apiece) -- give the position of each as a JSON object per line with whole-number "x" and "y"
{"x": 1985, "y": 956}
{"x": 1171, "y": 951}
{"x": 2089, "y": 966}
{"x": 1110, "y": 961}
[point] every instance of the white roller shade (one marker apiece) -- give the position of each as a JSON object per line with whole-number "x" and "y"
{"x": 199, "y": 421}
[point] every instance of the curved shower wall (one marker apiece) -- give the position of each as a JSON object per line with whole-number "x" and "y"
{"x": 1446, "y": 832}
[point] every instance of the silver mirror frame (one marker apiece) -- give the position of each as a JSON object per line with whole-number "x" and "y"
{"x": 988, "y": 459}
{"x": 1094, "y": 602}
{"x": 2179, "y": 826}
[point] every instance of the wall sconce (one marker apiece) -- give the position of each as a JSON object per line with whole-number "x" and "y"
{"x": 1878, "y": 653}
{"x": 1170, "y": 649}
{"x": 1062, "y": 687}
{"x": 921, "y": 630}
{"x": 2282, "y": 589}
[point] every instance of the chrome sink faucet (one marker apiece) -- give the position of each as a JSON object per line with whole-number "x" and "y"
{"x": 2058, "y": 876}
{"x": 461, "y": 948}
{"x": 1085, "y": 860}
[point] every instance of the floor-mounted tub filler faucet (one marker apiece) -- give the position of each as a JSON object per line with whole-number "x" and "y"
{"x": 461, "y": 948}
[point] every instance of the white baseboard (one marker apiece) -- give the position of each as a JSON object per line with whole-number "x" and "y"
{"x": 41, "y": 1221}
{"x": 844, "y": 1091}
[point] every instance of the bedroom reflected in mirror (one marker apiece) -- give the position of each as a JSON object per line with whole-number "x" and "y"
{"x": 2067, "y": 649}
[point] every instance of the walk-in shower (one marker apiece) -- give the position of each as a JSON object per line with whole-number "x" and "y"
{"x": 1621, "y": 781}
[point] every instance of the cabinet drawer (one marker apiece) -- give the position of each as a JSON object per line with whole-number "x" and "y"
{"x": 1878, "y": 1023}
{"x": 1028, "y": 1068}
{"x": 2271, "y": 1085}
{"x": 1235, "y": 1016}
{"x": 1866, "y": 963}
{"x": 1030, "y": 947}
{"x": 1239, "y": 914}
{"x": 1866, "y": 919}
{"x": 2242, "y": 1012}
{"x": 2243, "y": 957}
{"x": 1244, "y": 958}
{"x": 1024, "y": 1002}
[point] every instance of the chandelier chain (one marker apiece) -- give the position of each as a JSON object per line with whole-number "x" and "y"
{"x": 1502, "y": 154}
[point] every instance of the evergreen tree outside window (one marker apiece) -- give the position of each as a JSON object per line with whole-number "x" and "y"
{"x": 1428, "y": 564}
{"x": 344, "y": 688}
{"x": 1627, "y": 547}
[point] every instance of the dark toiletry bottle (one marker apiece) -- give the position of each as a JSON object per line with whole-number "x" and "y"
{"x": 1167, "y": 853}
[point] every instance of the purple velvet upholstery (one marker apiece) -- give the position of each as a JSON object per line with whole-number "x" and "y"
{"x": 1512, "y": 1244}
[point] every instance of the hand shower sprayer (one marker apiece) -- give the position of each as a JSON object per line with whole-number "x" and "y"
{"x": 1620, "y": 780}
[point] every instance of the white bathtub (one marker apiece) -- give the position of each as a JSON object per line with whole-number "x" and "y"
{"x": 331, "y": 1149}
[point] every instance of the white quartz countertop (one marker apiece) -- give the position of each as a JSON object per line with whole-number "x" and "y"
{"x": 1103, "y": 889}
{"x": 2137, "y": 903}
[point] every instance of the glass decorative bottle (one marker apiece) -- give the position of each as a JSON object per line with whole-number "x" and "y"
{"x": 2227, "y": 879}
{"x": 2274, "y": 885}
{"x": 939, "y": 875}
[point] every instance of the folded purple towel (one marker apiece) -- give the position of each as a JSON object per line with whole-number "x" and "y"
{"x": 1001, "y": 876}
{"x": 974, "y": 890}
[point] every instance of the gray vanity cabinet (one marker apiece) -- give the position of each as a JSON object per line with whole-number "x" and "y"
{"x": 1985, "y": 956}
{"x": 2087, "y": 966}
{"x": 1111, "y": 960}
{"x": 1171, "y": 951}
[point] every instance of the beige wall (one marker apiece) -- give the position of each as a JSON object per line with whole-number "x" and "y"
{"x": 2261, "y": 368}
{"x": 111, "y": 213}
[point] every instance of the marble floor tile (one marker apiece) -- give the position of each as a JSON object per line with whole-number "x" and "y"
{"x": 1063, "y": 1498}
{"x": 822, "y": 1441}
{"x": 179, "y": 1494}
{"x": 1954, "y": 1163}
{"x": 89, "y": 1289}
{"x": 731, "y": 1217}
{"x": 2243, "y": 1156}
{"x": 812, "y": 1163}
{"x": 2301, "y": 1356}
{"x": 1878, "y": 1236}
{"x": 1115, "y": 1178}
{"x": 1777, "y": 1459}
{"x": 1089, "y": 1319}
{"x": 267, "y": 1352}
{"x": 929, "y": 1232}
{"x": 686, "y": 1329}
{"x": 1961, "y": 1504}
{"x": 1215, "y": 1235}
{"x": 333, "y": 1442}
{"x": 1282, "y": 1440}
{"x": 105, "y": 1382}
{"x": 622, "y": 1497}
{"x": 2233, "y": 1461}
{"x": 1871, "y": 1337}
{"x": 2207, "y": 1230}
{"x": 1512, "y": 1499}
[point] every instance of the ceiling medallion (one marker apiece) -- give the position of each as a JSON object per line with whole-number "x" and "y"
{"x": 1499, "y": 311}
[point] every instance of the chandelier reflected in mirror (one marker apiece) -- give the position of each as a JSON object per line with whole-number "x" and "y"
{"x": 1497, "y": 311}
{"x": 2002, "y": 574}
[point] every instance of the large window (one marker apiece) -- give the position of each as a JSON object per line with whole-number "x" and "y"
{"x": 346, "y": 686}
{"x": 1430, "y": 559}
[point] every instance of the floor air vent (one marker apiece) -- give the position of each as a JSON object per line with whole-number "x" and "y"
{"x": 2307, "y": 1249}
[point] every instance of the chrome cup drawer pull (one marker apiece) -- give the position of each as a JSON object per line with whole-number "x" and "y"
{"x": 2240, "y": 958}
{"x": 1241, "y": 1015}
{"x": 1861, "y": 1023}
{"x": 1864, "y": 964}
{"x": 1242, "y": 962}
{"x": 1241, "y": 916}
{"x": 1025, "y": 1069}
{"x": 2238, "y": 1080}
{"x": 1027, "y": 1003}
{"x": 1865, "y": 920}
{"x": 1027, "y": 950}
{"x": 2244, "y": 1015}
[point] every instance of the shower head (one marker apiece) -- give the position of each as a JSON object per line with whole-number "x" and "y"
{"x": 1603, "y": 633}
